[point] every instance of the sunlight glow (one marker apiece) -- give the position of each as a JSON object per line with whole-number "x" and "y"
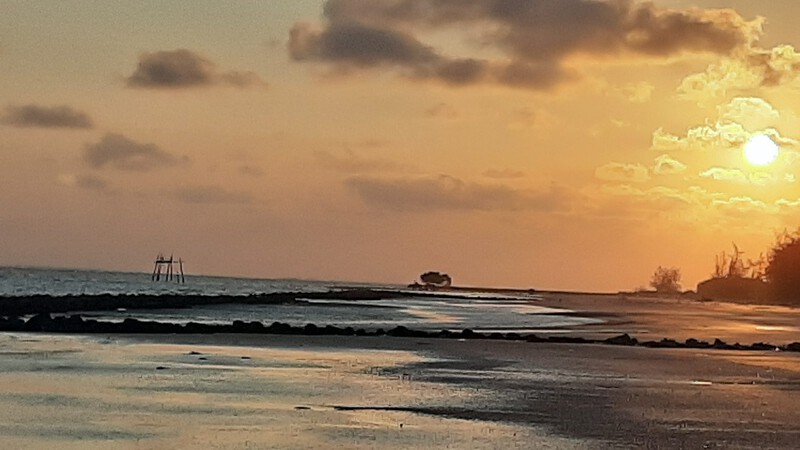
{"x": 760, "y": 150}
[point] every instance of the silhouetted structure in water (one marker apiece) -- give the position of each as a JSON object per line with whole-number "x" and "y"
{"x": 167, "y": 266}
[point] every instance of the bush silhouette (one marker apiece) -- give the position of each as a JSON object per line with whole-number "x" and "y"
{"x": 666, "y": 280}
{"x": 436, "y": 279}
{"x": 783, "y": 269}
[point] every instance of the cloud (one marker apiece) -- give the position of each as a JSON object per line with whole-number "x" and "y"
{"x": 117, "y": 151}
{"x": 725, "y": 174}
{"x": 614, "y": 171}
{"x": 741, "y": 207}
{"x": 211, "y": 194}
{"x": 737, "y": 176}
{"x": 750, "y": 69}
{"x": 349, "y": 162}
{"x": 85, "y": 181}
{"x": 533, "y": 38}
{"x": 753, "y": 113}
{"x": 359, "y": 45}
{"x": 185, "y": 68}
{"x": 445, "y": 193}
{"x": 738, "y": 121}
{"x": 46, "y": 117}
{"x": 666, "y": 165}
{"x": 622, "y": 200}
{"x": 503, "y": 173}
{"x": 719, "y": 135}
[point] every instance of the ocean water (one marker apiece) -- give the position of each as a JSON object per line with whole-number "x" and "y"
{"x": 479, "y": 312}
{"x": 15, "y": 281}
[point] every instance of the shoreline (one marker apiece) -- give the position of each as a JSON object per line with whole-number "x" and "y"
{"x": 76, "y": 324}
{"x": 632, "y": 321}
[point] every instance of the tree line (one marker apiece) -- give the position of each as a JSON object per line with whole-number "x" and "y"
{"x": 778, "y": 270}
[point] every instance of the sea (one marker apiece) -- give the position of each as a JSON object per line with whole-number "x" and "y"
{"x": 483, "y": 312}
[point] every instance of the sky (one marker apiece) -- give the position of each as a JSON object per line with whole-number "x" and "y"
{"x": 547, "y": 144}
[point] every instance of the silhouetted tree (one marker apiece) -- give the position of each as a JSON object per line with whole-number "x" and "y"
{"x": 436, "y": 279}
{"x": 666, "y": 280}
{"x": 783, "y": 268}
{"x": 734, "y": 267}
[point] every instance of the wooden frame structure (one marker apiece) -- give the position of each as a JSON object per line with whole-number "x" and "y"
{"x": 166, "y": 267}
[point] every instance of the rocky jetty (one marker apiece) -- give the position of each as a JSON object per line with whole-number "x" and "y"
{"x": 77, "y": 324}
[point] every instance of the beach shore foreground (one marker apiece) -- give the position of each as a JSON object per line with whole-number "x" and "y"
{"x": 302, "y": 389}
{"x": 267, "y": 391}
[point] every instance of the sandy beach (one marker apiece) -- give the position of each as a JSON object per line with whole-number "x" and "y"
{"x": 281, "y": 391}
{"x": 653, "y": 318}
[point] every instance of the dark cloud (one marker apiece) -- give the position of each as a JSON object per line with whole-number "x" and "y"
{"x": 447, "y": 193}
{"x": 91, "y": 182}
{"x": 212, "y": 194}
{"x": 358, "y": 44}
{"x": 117, "y": 151}
{"x": 184, "y": 68}
{"x": 46, "y": 117}
{"x": 533, "y": 36}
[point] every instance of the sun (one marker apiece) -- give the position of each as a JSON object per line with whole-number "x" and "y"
{"x": 760, "y": 150}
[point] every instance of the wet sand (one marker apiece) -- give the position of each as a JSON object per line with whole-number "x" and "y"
{"x": 292, "y": 391}
{"x": 274, "y": 391}
{"x": 592, "y": 396}
{"x": 680, "y": 319}
{"x": 227, "y": 392}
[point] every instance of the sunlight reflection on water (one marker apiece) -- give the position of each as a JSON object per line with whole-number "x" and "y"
{"x": 127, "y": 395}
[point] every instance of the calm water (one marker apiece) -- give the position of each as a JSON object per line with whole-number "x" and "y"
{"x": 28, "y": 281}
{"x": 480, "y": 312}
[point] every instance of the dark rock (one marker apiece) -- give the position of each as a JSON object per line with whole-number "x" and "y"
{"x": 279, "y": 328}
{"x": 568, "y": 340}
{"x": 722, "y": 345}
{"x": 663, "y": 343}
{"x": 793, "y": 347}
{"x": 694, "y": 343}
{"x": 762, "y": 346}
{"x": 513, "y": 337}
{"x": 39, "y": 322}
{"x": 623, "y": 339}
{"x": 399, "y": 331}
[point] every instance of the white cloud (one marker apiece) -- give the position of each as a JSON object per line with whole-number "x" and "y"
{"x": 666, "y": 165}
{"x": 752, "y": 113}
{"x": 749, "y": 70}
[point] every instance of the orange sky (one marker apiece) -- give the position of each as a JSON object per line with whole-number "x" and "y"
{"x": 570, "y": 144}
